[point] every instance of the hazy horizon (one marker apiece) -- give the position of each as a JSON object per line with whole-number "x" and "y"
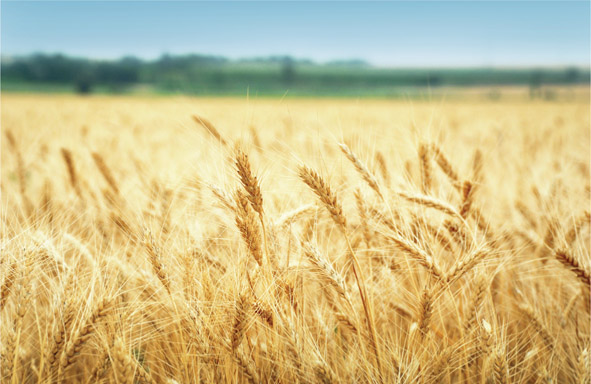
{"x": 336, "y": 61}
{"x": 386, "y": 35}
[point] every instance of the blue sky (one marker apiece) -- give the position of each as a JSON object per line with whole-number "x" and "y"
{"x": 443, "y": 33}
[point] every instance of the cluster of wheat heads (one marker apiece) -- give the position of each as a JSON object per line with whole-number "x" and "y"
{"x": 403, "y": 277}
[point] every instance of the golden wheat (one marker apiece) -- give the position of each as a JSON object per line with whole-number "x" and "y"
{"x": 160, "y": 256}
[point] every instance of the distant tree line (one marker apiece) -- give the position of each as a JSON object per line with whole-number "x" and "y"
{"x": 201, "y": 74}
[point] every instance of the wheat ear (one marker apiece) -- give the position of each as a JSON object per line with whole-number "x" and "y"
{"x": 72, "y": 351}
{"x": 366, "y": 175}
{"x": 326, "y": 271}
{"x": 425, "y": 165}
{"x": 467, "y": 196}
{"x": 210, "y": 128}
{"x": 249, "y": 229}
{"x": 569, "y": 261}
{"x": 9, "y": 280}
{"x": 105, "y": 171}
{"x": 242, "y": 306}
{"x": 500, "y": 368}
{"x": 156, "y": 260}
{"x": 253, "y": 189}
{"x": 464, "y": 265}
{"x": 426, "y": 312}
{"x": 431, "y": 202}
{"x": 445, "y": 164}
{"x": 324, "y": 193}
{"x": 418, "y": 254}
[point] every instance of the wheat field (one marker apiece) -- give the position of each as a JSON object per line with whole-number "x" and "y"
{"x": 180, "y": 240}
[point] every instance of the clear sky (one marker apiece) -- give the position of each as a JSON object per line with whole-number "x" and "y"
{"x": 443, "y": 33}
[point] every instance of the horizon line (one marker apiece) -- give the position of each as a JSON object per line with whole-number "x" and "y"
{"x": 363, "y": 62}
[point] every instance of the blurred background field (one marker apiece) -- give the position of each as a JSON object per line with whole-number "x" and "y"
{"x": 283, "y": 76}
